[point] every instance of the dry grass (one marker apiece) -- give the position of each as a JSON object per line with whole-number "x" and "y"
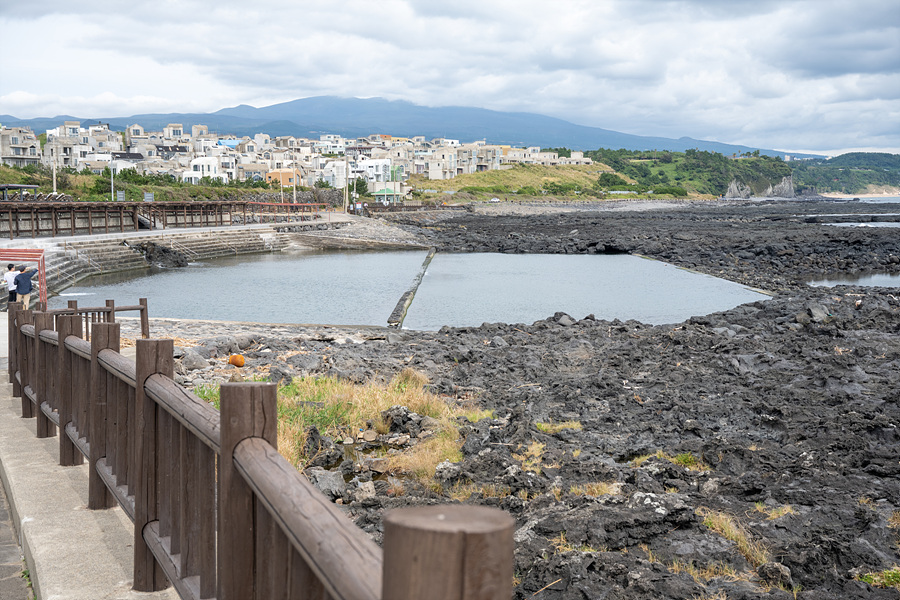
{"x": 702, "y": 575}
{"x": 464, "y": 491}
{"x": 341, "y": 409}
{"x": 685, "y": 459}
{"x": 518, "y": 177}
{"x": 719, "y": 595}
{"x": 894, "y": 520}
{"x": 774, "y": 512}
{"x": 551, "y": 428}
{"x": 599, "y": 488}
{"x": 532, "y": 458}
{"x": 731, "y": 529}
{"x": 561, "y": 544}
{"x": 477, "y": 414}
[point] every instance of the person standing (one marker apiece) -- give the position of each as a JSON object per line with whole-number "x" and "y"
{"x": 10, "y": 277}
{"x": 24, "y": 286}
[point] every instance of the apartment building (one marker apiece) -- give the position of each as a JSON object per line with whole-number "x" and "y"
{"x": 19, "y": 147}
{"x": 381, "y": 159}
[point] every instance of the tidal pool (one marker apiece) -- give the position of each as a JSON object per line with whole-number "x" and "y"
{"x": 362, "y": 288}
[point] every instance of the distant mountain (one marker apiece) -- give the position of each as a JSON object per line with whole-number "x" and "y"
{"x": 356, "y": 117}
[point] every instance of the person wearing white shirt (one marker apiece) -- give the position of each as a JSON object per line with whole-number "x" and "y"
{"x": 10, "y": 277}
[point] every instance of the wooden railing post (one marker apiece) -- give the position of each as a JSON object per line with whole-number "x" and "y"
{"x": 23, "y": 357}
{"x": 103, "y": 336}
{"x": 111, "y": 313}
{"x": 448, "y": 552}
{"x": 12, "y": 337}
{"x": 247, "y": 410}
{"x": 145, "y": 318}
{"x": 67, "y": 325}
{"x": 41, "y": 370}
{"x": 153, "y": 356}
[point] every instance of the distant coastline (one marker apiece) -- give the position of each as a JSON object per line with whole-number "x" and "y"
{"x": 886, "y": 193}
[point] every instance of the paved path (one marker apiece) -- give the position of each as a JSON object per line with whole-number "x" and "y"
{"x": 71, "y": 553}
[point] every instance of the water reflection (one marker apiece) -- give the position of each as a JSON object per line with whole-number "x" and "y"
{"x": 867, "y": 280}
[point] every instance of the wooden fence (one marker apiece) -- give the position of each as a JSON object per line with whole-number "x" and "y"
{"x": 217, "y": 511}
{"x": 38, "y": 219}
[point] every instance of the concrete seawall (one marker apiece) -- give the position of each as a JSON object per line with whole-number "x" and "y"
{"x": 69, "y": 259}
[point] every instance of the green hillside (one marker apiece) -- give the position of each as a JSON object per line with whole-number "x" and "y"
{"x": 852, "y": 173}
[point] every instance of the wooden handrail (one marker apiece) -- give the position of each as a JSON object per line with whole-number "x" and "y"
{"x": 217, "y": 511}
{"x": 49, "y": 336}
{"x": 343, "y": 557}
{"x": 79, "y": 346}
{"x": 197, "y": 416}
{"x": 118, "y": 365}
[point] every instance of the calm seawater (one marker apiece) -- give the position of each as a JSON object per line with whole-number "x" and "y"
{"x": 362, "y": 288}
{"x": 471, "y": 289}
{"x": 868, "y": 280}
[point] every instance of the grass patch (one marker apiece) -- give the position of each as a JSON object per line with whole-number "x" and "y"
{"x": 475, "y": 415}
{"x": 702, "y": 574}
{"x": 552, "y": 428}
{"x": 520, "y": 178}
{"x": 532, "y": 458}
{"x": 599, "y": 488}
{"x": 889, "y": 578}
{"x": 561, "y": 544}
{"x": 340, "y": 409}
{"x": 685, "y": 459}
{"x": 894, "y": 520}
{"x": 731, "y": 529}
{"x": 774, "y": 512}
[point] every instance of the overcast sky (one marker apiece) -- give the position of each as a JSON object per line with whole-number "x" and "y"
{"x": 813, "y": 75}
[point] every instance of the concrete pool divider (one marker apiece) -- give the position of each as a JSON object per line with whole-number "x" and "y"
{"x": 395, "y": 320}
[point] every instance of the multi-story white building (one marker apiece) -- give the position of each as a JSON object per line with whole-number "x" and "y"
{"x": 19, "y": 147}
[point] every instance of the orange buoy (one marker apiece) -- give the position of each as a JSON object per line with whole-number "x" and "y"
{"x": 236, "y": 360}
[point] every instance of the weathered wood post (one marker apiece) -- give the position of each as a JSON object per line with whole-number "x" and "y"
{"x": 23, "y": 354}
{"x": 67, "y": 325}
{"x": 247, "y": 410}
{"x": 153, "y": 356}
{"x": 448, "y": 552}
{"x": 103, "y": 336}
{"x": 41, "y": 382}
{"x": 145, "y": 318}
{"x": 111, "y": 311}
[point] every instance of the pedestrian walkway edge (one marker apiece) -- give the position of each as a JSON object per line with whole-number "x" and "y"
{"x": 72, "y": 553}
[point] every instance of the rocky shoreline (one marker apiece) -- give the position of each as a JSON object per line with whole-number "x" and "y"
{"x": 780, "y": 417}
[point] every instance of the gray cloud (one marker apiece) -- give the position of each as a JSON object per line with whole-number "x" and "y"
{"x": 783, "y": 74}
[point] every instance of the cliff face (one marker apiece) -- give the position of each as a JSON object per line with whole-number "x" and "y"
{"x": 783, "y": 189}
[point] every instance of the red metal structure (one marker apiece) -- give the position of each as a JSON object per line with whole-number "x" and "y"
{"x": 21, "y": 256}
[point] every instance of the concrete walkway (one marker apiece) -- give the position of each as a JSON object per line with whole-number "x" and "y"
{"x": 71, "y": 553}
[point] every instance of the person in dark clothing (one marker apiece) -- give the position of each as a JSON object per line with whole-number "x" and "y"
{"x": 24, "y": 286}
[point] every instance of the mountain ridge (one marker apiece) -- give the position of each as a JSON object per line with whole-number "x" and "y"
{"x": 358, "y": 117}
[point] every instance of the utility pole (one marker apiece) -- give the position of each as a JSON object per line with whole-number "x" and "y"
{"x": 53, "y": 156}
{"x": 112, "y": 184}
{"x": 346, "y": 180}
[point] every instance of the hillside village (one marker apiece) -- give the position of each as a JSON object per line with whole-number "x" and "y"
{"x": 385, "y": 162}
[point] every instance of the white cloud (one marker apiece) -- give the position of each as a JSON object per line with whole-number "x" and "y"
{"x": 771, "y": 74}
